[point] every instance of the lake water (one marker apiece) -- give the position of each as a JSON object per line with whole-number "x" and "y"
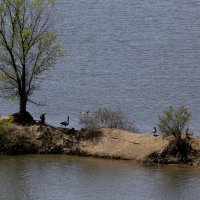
{"x": 60, "y": 177}
{"x": 138, "y": 56}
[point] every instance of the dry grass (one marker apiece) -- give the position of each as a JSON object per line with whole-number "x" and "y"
{"x": 125, "y": 145}
{"x": 111, "y": 143}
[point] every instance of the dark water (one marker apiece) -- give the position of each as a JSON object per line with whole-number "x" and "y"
{"x": 138, "y": 56}
{"x": 68, "y": 178}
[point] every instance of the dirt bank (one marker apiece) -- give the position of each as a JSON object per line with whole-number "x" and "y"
{"x": 122, "y": 144}
{"x": 108, "y": 143}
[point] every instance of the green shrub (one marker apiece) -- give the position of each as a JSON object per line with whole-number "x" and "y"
{"x": 6, "y": 123}
{"x": 174, "y": 121}
{"x": 107, "y": 118}
{"x": 6, "y": 138}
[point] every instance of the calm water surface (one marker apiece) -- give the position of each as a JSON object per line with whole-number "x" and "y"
{"x": 41, "y": 177}
{"x": 138, "y": 56}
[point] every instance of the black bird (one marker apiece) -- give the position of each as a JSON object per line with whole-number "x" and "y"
{"x": 154, "y": 131}
{"x": 65, "y": 123}
{"x": 42, "y": 118}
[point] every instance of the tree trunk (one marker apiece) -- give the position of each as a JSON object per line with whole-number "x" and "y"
{"x": 23, "y": 117}
{"x": 23, "y": 93}
{"x": 22, "y": 104}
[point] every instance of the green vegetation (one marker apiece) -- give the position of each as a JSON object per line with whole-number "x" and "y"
{"x": 6, "y": 138}
{"x": 10, "y": 143}
{"x": 28, "y": 47}
{"x": 6, "y": 124}
{"x": 107, "y": 118}
{"x": 174, "y": 121}
{"x": 5, "y": 135}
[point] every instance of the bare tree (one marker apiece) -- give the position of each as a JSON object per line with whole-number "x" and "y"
{"x": 28, "y": 47}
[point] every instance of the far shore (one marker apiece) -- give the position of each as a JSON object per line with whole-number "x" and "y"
{"x": 103, "y": 143}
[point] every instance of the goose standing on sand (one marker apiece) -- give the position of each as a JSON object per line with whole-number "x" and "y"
{"x": 154, "y": 131}
{"x": 65, "y": 123}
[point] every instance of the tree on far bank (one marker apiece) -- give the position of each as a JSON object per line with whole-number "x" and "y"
{"x": 28, "y": 47}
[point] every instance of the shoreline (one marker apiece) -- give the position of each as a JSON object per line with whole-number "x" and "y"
{"x": 103, "y": 143}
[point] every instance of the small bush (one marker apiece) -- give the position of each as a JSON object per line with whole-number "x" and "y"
{"x": 174, "y": 121}
{"x": 107, "y": 118}
{"x": 6, "y": 138}
{"x": 177, "y": 151}
{"x": 11, "y": 143}
{"x": 182, "y": 149}
{"x": 6, "y": 123}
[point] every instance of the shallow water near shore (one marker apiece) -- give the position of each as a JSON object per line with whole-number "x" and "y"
{"x": 56, "y": 177}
